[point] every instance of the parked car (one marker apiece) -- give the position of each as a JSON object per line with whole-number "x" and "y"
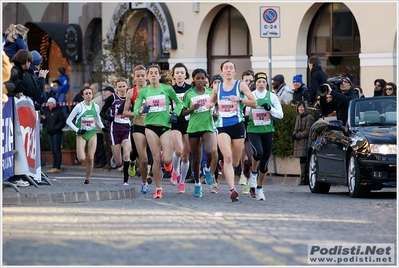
{"x": 360, "y": 155}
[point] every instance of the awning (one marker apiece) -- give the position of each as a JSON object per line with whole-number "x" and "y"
{"x": 56, "y": 30}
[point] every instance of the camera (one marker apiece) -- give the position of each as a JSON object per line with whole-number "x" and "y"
{"x": 334, "y": 83}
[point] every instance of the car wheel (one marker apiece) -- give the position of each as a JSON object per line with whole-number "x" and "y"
{"x": 314, "y": 185}
{"x": 354, "y": 187}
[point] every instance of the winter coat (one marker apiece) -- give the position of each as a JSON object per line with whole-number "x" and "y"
{"x": 303, "y": 122}
{"x": 284, "y": 94}
{"x": 317, "y": 77}
{"x": 55, "y": 120}
{"x": 302, "y": 94}
{"x": 339, "y": 103}
{"x": 11, "y": 48}
{"x": 25, "y": 82}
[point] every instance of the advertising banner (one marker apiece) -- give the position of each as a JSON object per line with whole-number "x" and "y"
{"x": 7, "y": 137}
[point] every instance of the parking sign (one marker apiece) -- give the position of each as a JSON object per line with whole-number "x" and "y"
{"x": 269, "y": 22}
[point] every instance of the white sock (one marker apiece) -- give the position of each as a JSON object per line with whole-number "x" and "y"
{"x": 175, "y": 163}
{"x": 184, "y": 169}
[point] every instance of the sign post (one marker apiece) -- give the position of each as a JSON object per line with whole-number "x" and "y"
{"x": 270, "y": 28}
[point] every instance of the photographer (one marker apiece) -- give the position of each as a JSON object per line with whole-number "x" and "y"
{"x": 340, "y": 97}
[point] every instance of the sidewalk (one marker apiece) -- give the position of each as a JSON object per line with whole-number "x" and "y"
{"x": 68, "y": 187}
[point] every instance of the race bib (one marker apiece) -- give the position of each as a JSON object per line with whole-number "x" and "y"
{"x": 118, "y": 118}
{"x": 157, "y": 103}
{"x": 227, "y": 108}
{"x": 201, "y": 100}
{"x": 260, "y": 117}
{"x": 87, "y": 123}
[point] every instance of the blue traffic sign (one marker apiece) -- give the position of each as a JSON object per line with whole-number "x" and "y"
{"x": 270, "y": 15}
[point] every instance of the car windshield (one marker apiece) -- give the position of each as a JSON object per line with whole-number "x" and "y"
{"x": 375, "y": 112}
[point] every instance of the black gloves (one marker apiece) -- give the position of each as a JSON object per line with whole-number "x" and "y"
{"x": 105, "y": 129}
{"x": 173, "y": 119}
{"x": 294, "y": 136}
{"x": 266, "y": 106}
{"x": 81, "y": 131}
{"x": 145, "y": 109}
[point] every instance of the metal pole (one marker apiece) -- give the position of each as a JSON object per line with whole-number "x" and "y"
{"x": 270, "y": 64}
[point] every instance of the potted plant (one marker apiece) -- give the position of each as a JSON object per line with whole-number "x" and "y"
{"x": 45, "y": 150}
{"x": 68, "y": 147}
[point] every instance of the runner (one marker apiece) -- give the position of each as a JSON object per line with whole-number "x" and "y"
{"x": 230, "y": 126}
{"x": 158, "y": 120}
{"x": 86, "y": 113}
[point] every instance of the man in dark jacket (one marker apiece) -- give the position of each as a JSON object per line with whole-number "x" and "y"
{"x": 317, "y": 77}
{"x": 55, "y": 121}
{"x": 340, "y": 98}
{"x": 301, "y": 91}
{"x": 23, "y": 78}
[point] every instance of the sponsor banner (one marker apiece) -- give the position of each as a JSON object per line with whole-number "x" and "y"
{"x": 349, "y": 254}
{"x": 27, "y": 139}
{"x": 7, "y": 137}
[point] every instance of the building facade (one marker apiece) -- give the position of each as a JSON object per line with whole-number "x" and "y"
{"x": 254, "y": 35}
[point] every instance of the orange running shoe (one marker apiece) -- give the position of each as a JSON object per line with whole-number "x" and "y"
{"x": 158, "y": 194}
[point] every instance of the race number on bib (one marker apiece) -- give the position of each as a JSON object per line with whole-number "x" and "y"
{"x": 201, "y": 100}
{"x": 87, "y": 123}
{"x": 157, "y": 103}
{"x": 260, "y": 117}
{"x": 227, "y": 108}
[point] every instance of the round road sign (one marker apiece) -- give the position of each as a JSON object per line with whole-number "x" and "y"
{"x": 270, "y": 15}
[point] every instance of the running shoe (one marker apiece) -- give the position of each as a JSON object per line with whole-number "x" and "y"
{"x": 246, "y": 170}
{"x": 252, "y": 182}
{"x": 245, "y": 190}
{"x": 168, "y": 168}
{"x": 144, "y": 189}
{"x": 86, "y": 182}
{"x": 260, "y": 194}
{"x": 158, "y": 194}
{"x": 173, "y": 178}
{"x": 181, "y": 188}
{"x": 234, "y": 195}
{"x": 243, "y": 180}
{"x": 220, "y": 164}
{"x": 149, "y": 179}
{"x": 208, "y": 176}
{"x": 252, "y": 192}
{"x": 131, "y": 170}
{"x": 214, "y": 190}
{"x": 198, "y": 190}
{"x": 125, "y": 183}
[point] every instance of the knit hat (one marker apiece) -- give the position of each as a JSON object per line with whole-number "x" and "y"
{"x": 297, "y": 78}
{"x": 108, "y": 88}
{"x": 349, "y": 78}
{"x": 278, "y": 77}
{"x": 51, "y": 99}
{"x": 260, "y": 75}
{"x": 216, "y": 77}
{"x": 37, "y": 58}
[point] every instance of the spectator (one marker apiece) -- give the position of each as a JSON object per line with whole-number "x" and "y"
{"x": 317, "y": 77}
{"x": 100, "y": 156}
{"x": 108, "y": 91}
{"x": 35, "y": 66}
{"x": 389, "y": 89}
{"x": 301, "y": 91}
{"x": 359, "y": 91}
{"x": 340, "y": 99}
{"x": 14, "y": 39}
{"x": 56, "y": 85}
{"x": 23, "y": 78}
{"x": 55, "y": 121}
{"x": 64, "y": 87}
{"x": 300, "y": 136}
{"x": 283, "y": 92}
{"x": 379, "y": 84}
{"x": 6, "y": 74}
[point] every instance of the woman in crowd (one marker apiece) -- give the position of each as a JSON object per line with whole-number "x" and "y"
{"x": 157, "y": 121}
{"x": 300, "y": 136}
{"x": 87, "y": 113}
{"x": 200, "y": 128}
{"x": 119, "y": 129}
{"x": 389, "y": 89}
{"x": 14, "y": 39}
{"x": 230, "y": 126}
{"x": 260, "y": 132}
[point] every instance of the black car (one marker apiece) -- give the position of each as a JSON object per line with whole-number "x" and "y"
{"x": 361, "y": 155}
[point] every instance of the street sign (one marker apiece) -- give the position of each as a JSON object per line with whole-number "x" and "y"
{"x": 269, "y": 22}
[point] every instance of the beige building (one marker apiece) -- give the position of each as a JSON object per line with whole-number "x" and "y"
{"x": 349, "y": 37}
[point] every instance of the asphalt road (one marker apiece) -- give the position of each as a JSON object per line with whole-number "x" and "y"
{"x": 187, "y": 231}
